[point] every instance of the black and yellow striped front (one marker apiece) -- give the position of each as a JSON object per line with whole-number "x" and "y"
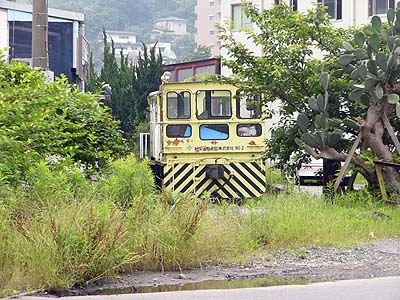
{"x": 239, "y": 179}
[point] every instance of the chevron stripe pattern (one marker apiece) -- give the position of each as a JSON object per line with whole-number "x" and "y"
{"x": 241, "y": 180}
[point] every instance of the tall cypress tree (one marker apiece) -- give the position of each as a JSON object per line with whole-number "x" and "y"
{"x": 146, "y": 79}
{"x": 130, "y": 84}
{"x": 92, "y": 85}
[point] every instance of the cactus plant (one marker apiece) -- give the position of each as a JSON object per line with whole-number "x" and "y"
{"x": 372, "y": 62}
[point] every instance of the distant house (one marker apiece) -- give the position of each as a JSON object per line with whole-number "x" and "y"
{"x": 125, "y": 41}
{"x": 68, "y": 49}
{"x": 166, "y": 51}
{"x": 172, "y": 25}
{"x": 121, "y": 37}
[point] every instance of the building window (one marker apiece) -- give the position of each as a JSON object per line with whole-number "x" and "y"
{"x": 211, "y": 3}
{"x": 211, "y": 18}
{"x": 213, "y": 104}
{"x": 333, "y": 8}
{"x": 214, "y": 132}
{"x": 379, "y": 7}
{"x": 179, "y": 131}
{"x": 239, "y": 17}
{"x": 178, "y": 105}
{"x": 248, "y": 130}
{"x": 276, "y": 2}
{"x": 124, "y": 37}
{"x": 212, "y": 32}
{"x": 293, "y": 3}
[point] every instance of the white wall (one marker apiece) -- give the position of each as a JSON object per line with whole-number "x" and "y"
{"x": 3, "y": 30}
{"x": 354, "y": 12}
{"x": 226, "y": 11}
{"x": 116, "y": 37}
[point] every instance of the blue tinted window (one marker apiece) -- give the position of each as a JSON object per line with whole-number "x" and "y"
{"x": 214, "y": 132}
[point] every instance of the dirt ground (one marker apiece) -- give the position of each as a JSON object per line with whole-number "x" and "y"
{"x": 377, "y": 259}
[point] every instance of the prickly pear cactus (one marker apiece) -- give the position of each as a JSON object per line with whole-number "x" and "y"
{"x": 324, "y": 131}
{"x": 371, "y": 62}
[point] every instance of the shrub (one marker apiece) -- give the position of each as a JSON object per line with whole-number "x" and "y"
{"x": 39, "y": 120}
{"x": 80, "y": 241}
{"x": 127, "y": 179}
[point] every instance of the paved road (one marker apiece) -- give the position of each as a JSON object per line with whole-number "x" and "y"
{"x": 387, "y": 288}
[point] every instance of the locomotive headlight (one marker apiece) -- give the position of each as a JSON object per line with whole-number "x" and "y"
{"x": 166, "y": 77}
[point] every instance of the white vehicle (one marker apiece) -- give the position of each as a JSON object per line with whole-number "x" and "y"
{"x": 312, "y": 173}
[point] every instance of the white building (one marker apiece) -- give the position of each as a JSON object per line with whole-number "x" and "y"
{"x": 208, "y": 17}
{"x": 344, "y": 13}
{"x": 166, "y": 51}
{"x": 121, "y": 37}
{"x": 173, "y": 25}
{"x": 125, "y": 41}
{"x": 68, "y": 50}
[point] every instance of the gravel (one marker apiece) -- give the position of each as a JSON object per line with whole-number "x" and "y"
{"x": 378, "y": 259}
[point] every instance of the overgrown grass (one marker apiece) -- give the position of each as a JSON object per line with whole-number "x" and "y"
{"x": 59, "y": 229}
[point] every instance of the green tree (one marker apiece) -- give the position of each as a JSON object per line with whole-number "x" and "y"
{"x": 202, "y": 52}
{"x": 119, "y": 77}
{"x": 287, "y": 72}
{"x": 92, "y": 85}
{"x": 184, "y": 46}
{"x": 39, "y": 120}
{"x": 146, "y": 79}
{"x": 131, "y": 84}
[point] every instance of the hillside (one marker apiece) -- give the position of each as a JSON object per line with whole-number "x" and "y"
{"x": 137, "y": 16}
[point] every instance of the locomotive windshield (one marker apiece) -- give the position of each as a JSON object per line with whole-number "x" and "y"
{"x": 178, "y": 105}
{"x": 213, "y": 104}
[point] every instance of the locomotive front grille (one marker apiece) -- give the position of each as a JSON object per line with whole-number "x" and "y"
{"x": 230, "y": 181}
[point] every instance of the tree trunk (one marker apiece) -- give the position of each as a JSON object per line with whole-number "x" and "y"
{"x": 372, "y": 131}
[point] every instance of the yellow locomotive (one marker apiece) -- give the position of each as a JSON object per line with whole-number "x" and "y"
{"x": 207, "y": 137}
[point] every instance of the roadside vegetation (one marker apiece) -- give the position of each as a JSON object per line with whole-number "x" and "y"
{"x": 75, "y": 208}
{"x": 60, "y": 228}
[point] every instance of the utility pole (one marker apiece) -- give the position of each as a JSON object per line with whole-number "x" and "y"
{"x": 40, "y": 34}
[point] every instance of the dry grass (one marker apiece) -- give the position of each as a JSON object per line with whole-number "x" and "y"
{"x": 59, "y": 237}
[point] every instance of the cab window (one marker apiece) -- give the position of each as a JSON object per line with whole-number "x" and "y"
{"x": 213, "y": 104}
{"x": 214, "y": 132}
{"x": 181, "y": 131}
{"x": 248, "y": 130}
{"x": 248, "y": 106}
{"x": 178, "y": 105}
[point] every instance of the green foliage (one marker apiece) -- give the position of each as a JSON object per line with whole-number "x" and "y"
{"x": 130, "y": 84}
{"x": 39, "y": 120}
{"x": 59, "y": 229}
{"x": 285, "y": 73}
{"x": 370, "y": 63}
{"x": 92, "y": 85}
{"x": 146, "y": 79}
{"x": 127, "y": 182}
{"x": 326, "y": 131}
{"x": 202, "y": 52}
{"x": 185, "y": 46}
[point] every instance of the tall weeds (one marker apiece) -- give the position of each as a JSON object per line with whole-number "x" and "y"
{"x": 60, "y": 228}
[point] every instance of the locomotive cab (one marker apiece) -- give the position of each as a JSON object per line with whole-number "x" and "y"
{"x": 207, "y": 137}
